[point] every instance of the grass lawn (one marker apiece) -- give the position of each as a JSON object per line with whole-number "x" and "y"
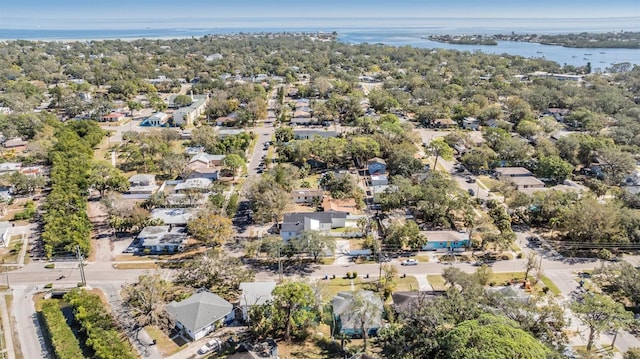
{"x": 421, "y": 258}
{"x": 11, "y": 255}
{"x": 501, "y": 278}
{"x": 131, "y": 257}
{"x": 437, "y": 282}
{"x": 605, "y": 352}
{"x": 327, "y": 260}
{"x": 489, "y": 182}
{"x": 149, "y": 265}
{"x": 552, "y": 287}
{"x": 165, "y": 345}
{"x": 331, "y": 287}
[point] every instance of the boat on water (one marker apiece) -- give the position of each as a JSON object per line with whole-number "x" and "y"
{"x": 588, "y": 54}
{"x": 602, "y": 52}
{"x": 585, "y": 58}
{"x": 574, "y": 56}
{"x": 539, "y": 52}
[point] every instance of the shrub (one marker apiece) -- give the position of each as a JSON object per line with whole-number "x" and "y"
{"x": 48, "y": 286}
{"x": 64, "y": 342}
{"x": 50, "y": 266}
{"x": 354, "y": 275}
{"x": 348, "y": 275}
{"x": 96, "y": 322}
{"x": 520, "y": 255}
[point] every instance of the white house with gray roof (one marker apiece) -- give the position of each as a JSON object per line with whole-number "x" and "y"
{"x": 200, "y": 314}
{"x": 295, "y": 223}
{"x": 162, "y": 239}
{"x": 142, "y": 183}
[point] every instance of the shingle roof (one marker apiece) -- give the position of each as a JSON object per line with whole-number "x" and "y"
{"x": 341, "y": 307}
{"x": 199, "y": 310}
{"x": 295, "y": 222}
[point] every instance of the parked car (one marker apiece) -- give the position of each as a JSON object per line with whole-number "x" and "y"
{"x": 471, "y": 192}
{"x": 409, "y": 262}
{"x": 470, "y": 179}
{"x": 213, "y": 344}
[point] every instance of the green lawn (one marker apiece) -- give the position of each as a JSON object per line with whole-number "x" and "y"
{"x": 552, "y": 287}
{"x": 437, "y": 282}
{"x": 165, "y": 345}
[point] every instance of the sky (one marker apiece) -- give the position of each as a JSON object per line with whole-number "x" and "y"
{"x": 114, "y": 14}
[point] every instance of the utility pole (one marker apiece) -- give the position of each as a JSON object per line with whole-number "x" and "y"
{"x": 280, "y": 264}
{"x": 6, "y": 272}
{"x": 81, "y": 266}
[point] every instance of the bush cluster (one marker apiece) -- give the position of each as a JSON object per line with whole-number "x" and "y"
{"x": 64, "y": 342}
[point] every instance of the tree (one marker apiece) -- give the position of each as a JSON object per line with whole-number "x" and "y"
{"x": 269, "y": 201}
{"x": 182, "y": 101}
{"x": 233, "y": 162}
{"x": 215, "y": 271}
{"x": 555, "y": 168}
{"x": 361, "y": 148}
{"x": 314, "y": 243}
{"x": 600, "y": 313}
{"x": 439, "y": 148}
{"x": 146, "y": 299}
{"x": 621, "y": 280}
{"x": 296, "y": 303}
{"x": 616, "y": 164}
{"x": 405, "y": 235}
{"x": 104, "y": 177}
{"x": 284, "y": 134}
{"x": 604, "y": 255}
{"x": 490, "y": 336}
{"x": 24, "y": 184}
{"x": 530, "y": 264}
{"x": 632, "y": 353}
{"x": 210, "y": 228}
{"x": 365, "y": 309}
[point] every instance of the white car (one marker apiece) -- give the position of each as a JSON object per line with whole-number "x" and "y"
{"x": 409, "y": 262}
{"x": 213, "y": 344}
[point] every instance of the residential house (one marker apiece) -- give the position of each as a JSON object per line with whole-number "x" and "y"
{"x": 471, "y": 123}
{"x": 511, "y": 292}
{"x": 211, "y": 173}
{"x": 162, "y": 239}
{"x": 376, "y": 166}
{"x": 10, "y": 167}
{"x": 444, "y": 123}
{"x": 17, "y": 144}
{"x": 301, "y": 114}
{"x": 446, "y": 240}
{"x": 185, "y": 116}
{"x": 5, "y": 238}
{"x": 213, "y": 57}
{"x": 113, "y": 117}
{"x": 307, "y": 196}
{"x": 309, "y": 134}
{"x": 303, "y": 121}
{"x": 503, "y": 173}
{"x": 228, "y": 120}
{"x": 295, "y": 223}
{"x": 520, "y": 177}
{"x": 205, "y": 159}
{"x": 254, "y": 293}
{"x": 193, "y": 185}
{"x": 142, "y": 184}
{"x": 557, "y": 113}
{"x": 379, "y": 180}
{"x": 230, "y": 132}
{"x": 302, "y": 103}
{"x": 158, "y": 119}
{"x": 200, "y": 314}
{"x": 348, "y": 321}
{"x": 173, "y": 216}
{"x": 526, "y": 183}
{"x": 347, "y": 205}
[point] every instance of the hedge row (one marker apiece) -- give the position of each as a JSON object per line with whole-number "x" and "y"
{"x": 64, "y": 342}
{"x": 66, "y": 223}
{"x": 99, "y": 327}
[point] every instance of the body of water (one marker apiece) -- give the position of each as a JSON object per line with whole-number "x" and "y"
{"x": 393, "y": 31}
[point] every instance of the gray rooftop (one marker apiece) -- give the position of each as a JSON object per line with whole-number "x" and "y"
{"x": 256, "y": 293}
{"x": 513, "y": 171}
{"x": 199, "y": 310}
{"x": 174, "y": 216}
{"x": 162, "y": 235}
